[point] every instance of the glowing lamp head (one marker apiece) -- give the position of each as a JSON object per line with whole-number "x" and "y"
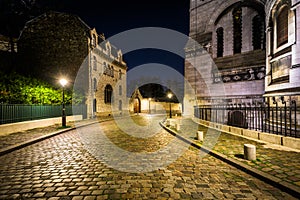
{"x": 170, "y": 95}
{"x": 63, "y": 82}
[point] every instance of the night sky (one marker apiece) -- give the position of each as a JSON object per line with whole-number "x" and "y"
{"x": 115, "y": 16}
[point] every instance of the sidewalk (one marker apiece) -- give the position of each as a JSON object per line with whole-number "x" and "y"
{"x": 18, "y": 140}
{"x": 278, "y": 163}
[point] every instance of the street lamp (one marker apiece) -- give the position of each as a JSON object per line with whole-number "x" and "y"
{"x": 63, "y": 83}
{"x": 170, "y": 95}
{"x": 149, "y": 105}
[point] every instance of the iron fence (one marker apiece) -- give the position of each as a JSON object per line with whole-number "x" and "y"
{"x": 272, "y": 116}
{"x": 11, "y": 113}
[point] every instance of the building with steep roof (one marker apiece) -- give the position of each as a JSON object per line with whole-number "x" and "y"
{"x": 56, "y": 45}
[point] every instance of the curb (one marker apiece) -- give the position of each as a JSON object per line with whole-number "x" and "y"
{"x": 21, "y": 145}
{"x": 283, "y": 185}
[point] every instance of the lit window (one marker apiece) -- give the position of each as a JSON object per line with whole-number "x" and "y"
{"x": 94, "y": 40}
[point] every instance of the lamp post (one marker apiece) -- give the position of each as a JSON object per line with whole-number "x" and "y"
{"x": 149, "y": 105}
{"x": 170, "y": 95}
{"x": 63, "y": 82}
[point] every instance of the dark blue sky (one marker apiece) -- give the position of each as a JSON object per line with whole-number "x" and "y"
{"x": 114, "y": 16}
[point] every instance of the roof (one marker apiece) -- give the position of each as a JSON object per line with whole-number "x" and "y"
{"x": 54, "y": 14}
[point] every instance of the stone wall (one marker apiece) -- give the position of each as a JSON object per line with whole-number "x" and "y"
{"x": 233, "y": 77}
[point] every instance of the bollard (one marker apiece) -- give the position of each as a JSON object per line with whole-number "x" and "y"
{"x": 249, "y": 152}
{"x": 200, "y": 135}
{"x": 168, "y": 123}
{"x": 177, "y": 126}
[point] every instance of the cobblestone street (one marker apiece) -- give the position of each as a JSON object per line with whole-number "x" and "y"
{"x": 62, "y": 168}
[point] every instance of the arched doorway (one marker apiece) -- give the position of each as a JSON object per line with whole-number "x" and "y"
{"x": 137, "y": 105}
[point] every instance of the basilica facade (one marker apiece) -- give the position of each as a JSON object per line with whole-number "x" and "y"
{"x": 249, "y": 48}
{"x": 242, "y": 64}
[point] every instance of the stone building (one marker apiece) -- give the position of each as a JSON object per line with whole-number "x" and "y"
{"x": 140, "y": 104}
{"x": 107, "y": 93}
{"x": 56, "y": 45}
{"x": 249, "y": 56}
{"x": 233, "y": 55}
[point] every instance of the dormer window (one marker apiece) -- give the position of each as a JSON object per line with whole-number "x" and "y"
{"x": 94, "y": 40}
{"x": 94, "y": 63}
{"x": 120, "y": 57}
{"x": 108, "y": 49}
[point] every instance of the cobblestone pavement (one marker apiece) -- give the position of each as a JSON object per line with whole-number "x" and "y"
{"x": 61, "y": 168}
{"x": 7, "y": 140}
{"x": 280, "y": 162}
{"x": 22, "y": 136}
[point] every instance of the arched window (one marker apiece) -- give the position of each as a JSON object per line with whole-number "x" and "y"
{"x": 108, "y": 94}
{"x": 95, "y": 84}
{"x": 94, "y": 63}
{"x": 112, "y": 71}
{"x": 93, "y": 40}
{"x": 282, "y": 27}
{"x": 120, "y": 74}
{"x": 108, "y": 49}
{"x": 104, "y": 67}
{"x": 95, "y": 105}
{"x": 257, "y": 32}
{"x": 237, "y": 30}
{"x": 220, "y": 42}
{"x": 120, "y": 105}
{"x": 120, "y": 89}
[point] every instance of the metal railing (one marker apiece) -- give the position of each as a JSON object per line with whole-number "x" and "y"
{"x": 272, "y": 116}
{"x": 11, "y": 113}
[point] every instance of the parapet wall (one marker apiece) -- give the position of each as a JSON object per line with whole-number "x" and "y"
{"x": 21, "y": 126}
{"x": 262, "y": 136}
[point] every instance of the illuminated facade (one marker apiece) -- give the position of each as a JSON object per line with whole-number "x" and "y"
{"x": 254, "y": 51}
{"x": 107, "y": 91}
{"x": 56, "y": 45}
{"x": 232, "y": 34}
